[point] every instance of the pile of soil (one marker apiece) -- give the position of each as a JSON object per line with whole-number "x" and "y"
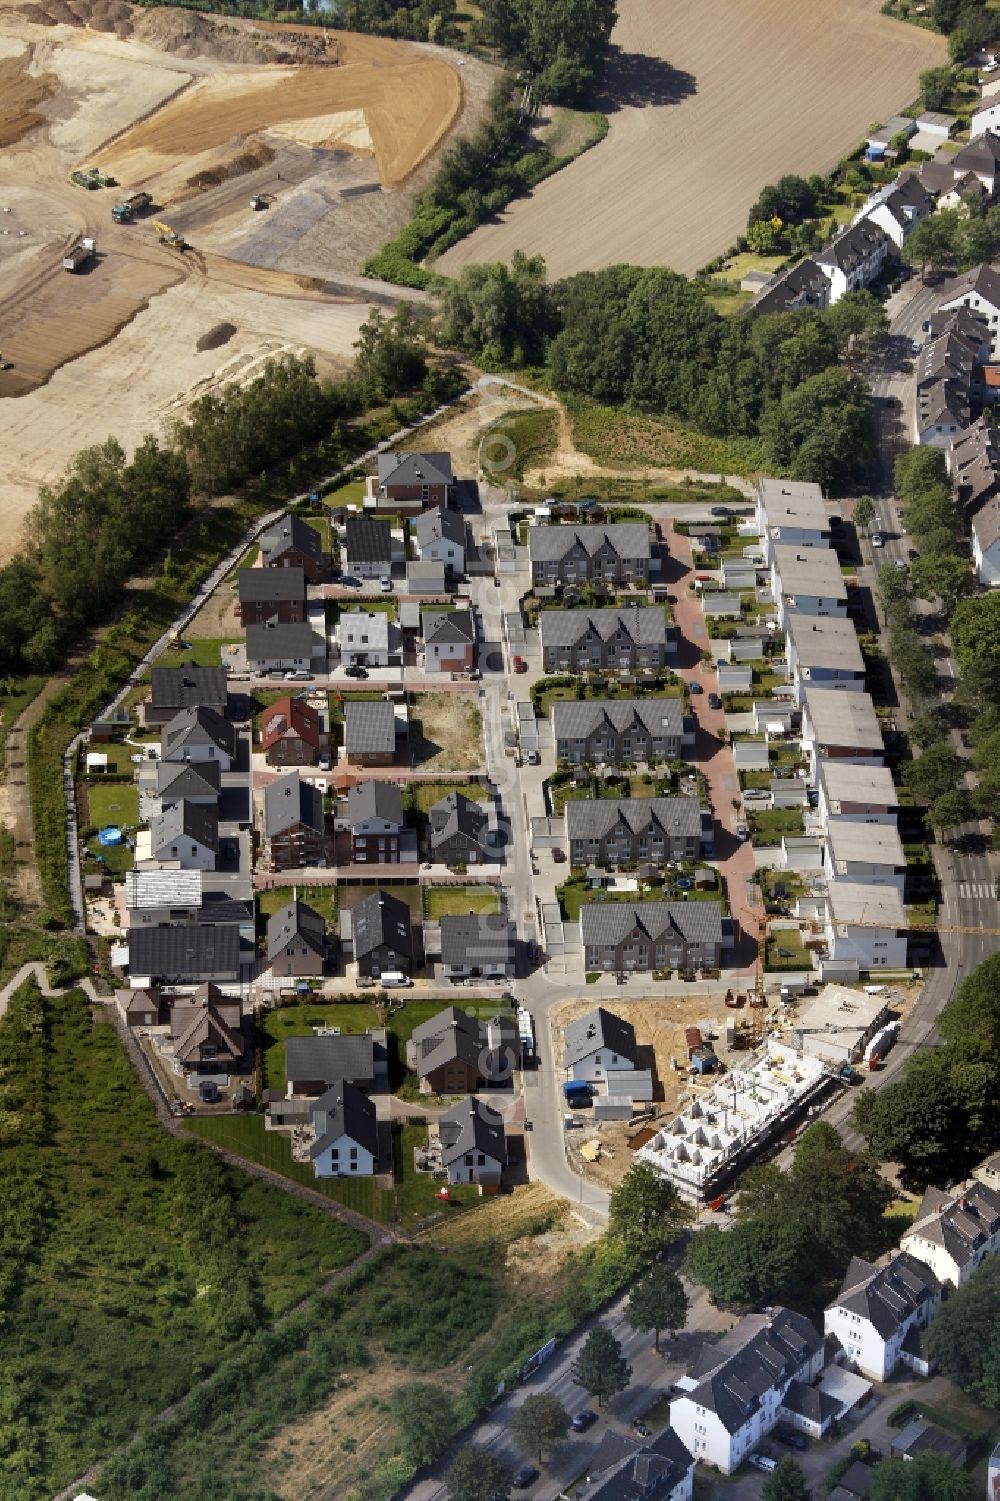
{"x": 216, "y": 337}
{"x": 20, "y": 95}
{"x": 256, "y": 154}
{"x": 188, "y": 33}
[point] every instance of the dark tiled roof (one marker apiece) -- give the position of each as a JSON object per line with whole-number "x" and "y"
{"x": 551, "y": 543}
{"x": 183, "y": 820}
{"x": 645, "y": 625}
{"x": 415, "y": 469}
{"x": 375, "y": 799}
{"x": 296, "y": 921}
{"x": 593, "y": 818}
{"x": 610, "y": 922}
{"x": 477, "y": 939}
{"x": 448, "y": 627}
{"x": 177, "y": 779}
{"x": 471, "y": 1126}
{"x": 369, "y": 727}
{"x": 598, "y": 1029}
{"x": 853, "y": 247}
{"x": 768, "y": 1358}
{"x": 291, "y": 533}
{"x": 281, "y": 642}
{"x": 288, "y": 802}
{"x": 187, "y": 687}
{"x": 576, "y": 719}
{"x": 381, "y": 919}
{"x": 457, "y": 814}
{"x": 451, "y": 1034}
{"x": 271, "y": 585}
{"x": 440, "y": 523}
{"x": 368, "y": 540}
{"x": 198, "y": 726}
{"x": 194, "y": 950}
{"x": 888, "y": 1296}
{"x": 330, "y": 1058}
{"x": 344, "y": 1111}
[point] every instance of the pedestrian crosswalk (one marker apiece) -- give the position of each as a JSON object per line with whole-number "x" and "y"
{"x": 976, "y": 891}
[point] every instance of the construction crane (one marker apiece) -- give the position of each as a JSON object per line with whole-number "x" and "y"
{"x": 168, "y": 236}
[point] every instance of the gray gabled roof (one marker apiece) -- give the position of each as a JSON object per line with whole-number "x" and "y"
{"x": 962, "y": 1221}
{"x": 270, "y": 585}
{"x": 645, "y": 625}
{"x": 290, "y": 532}
{"x": 369, "y": 727}
{"x": 281, "y": 642}
{"x": 762, "y": 1354}
{"x": 344, "y": 1111}
{"x": 849, "y": 250}
{"x": 375, "y": 799}
{"x": 456, "y": 814}
{"x": 296, "y": 921}
{"x": 609, "y": 922}
{"x": 471, "y": 1126}
{"x": 599, "y": 1029}
{"x": 330, "y": 1058}
{"x": 887, "y": 1296}
{"x": 192, "y": 949}
{"x": 183, "y": 820}
{"x": 187, "y": 687}
{"x": 440, "y": 523}
{"x": 921, "y": 1437}
{"x": 381, "y": 919}
{"x": 594, "y": 818}
{"x": 576, "y": 719}
{"x": 448, "y": 627}
{"x": 198, "y": 726}
{"x": 451, "y": 1034}
{"x": 983, "y": 280}
{"x": 477, "y": 939}
{"x": 177, "y": 779}
{"x": 368, "y": 540}
{"x": 982, "y": 154}
{"x": 415, "y": 469}
{"x": 629, "y": 539}
{"x": 290, "y": 801}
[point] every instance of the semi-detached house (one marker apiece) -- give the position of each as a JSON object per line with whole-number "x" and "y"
{"x": 622, "y": 937}
{"x": 807, "y": 580}
{"x": 978, "y": 290}
{"x": 621, "y": 831}
{"x": 574, "y": 554}
{"x": 840, "y": 727}
{"x": 635, "y": 638}
{"x": 954, "y": 1230}
{"x": 597, "y": 1046}
{"x": 871, "y": 854}
{"x": 879, "y": 1310}
{"x": 865, "y": 925}
{"x": 855, "y": 793}
{"x": 792, "y": 513}
{"x": 854, "y": 258}
{"x": 823, "y": 651}
{"x": 618, "y": 731}
{"x": 898, "y": 207}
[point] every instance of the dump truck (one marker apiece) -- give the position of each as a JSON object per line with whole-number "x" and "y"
{"x": 79, "y": 254}
{"x": 92, "y": 178}
{"x": 125, "y": 211}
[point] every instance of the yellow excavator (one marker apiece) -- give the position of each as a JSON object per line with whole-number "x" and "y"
{"x": 168, "y": 236}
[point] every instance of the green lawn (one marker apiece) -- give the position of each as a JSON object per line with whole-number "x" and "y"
{"x": 120, "y": 761}
{"x": 770, "y": 824}
{"x": 350, "y": 493}
{"x": 134, "y": 1263}
{"x": 410, "y": 1200}
{"x": 795, "y": 957}
{"x": 322, "y": 898}
{"x": 518, "y": 441}
{"x": 451, "y": 901}
{"x": 113, "y": 803}
{"x": 298, "y": 1020}
{"x": 205, "y": 651}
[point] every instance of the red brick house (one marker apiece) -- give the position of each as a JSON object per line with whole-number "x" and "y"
{"x": 408, "y": 483}
{"x": 289, "y": 733}
{"x": 293, "y": 543}
{"x": 271, "y": 596}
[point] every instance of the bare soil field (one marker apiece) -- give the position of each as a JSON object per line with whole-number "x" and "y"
{"x": 450, "y": 736}
{"x": 708, "y": 102}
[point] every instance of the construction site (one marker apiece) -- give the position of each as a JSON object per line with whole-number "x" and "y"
{"x": 167, "y": 173}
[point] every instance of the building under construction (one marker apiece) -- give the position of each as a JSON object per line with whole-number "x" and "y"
{"x": 722, "y": 1130}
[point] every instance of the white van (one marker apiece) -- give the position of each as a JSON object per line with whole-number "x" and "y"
{"x": 394, "y": 979}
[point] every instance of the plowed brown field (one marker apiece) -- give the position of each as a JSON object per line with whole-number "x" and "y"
{"x": 711, "y": 99}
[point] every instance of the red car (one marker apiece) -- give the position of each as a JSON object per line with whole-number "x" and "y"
{"x": 520, "y": 665}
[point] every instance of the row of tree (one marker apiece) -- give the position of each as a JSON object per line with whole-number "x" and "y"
{"x": 648, "y": 338}
{"x": 955, "y": 239}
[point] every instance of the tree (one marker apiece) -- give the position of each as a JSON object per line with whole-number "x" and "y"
{"x": 427, "y": 1421}
{"x": 949, "y": 810}
{"x": 934, "y": 242}
{"x": 917, "y": 1120}
{"x": 864, "y": 512}
{"x": 893, "y": 585}
{"x": 539, "y": 1423}
{"x": 753, "y": 1264}
{"x": 764, "y": 235}
{"x": 960, "y": 44}
{"x": 601, "y": 1368}
{"x": 657, "y": 1302}
{"x": 928, "y": 1477}
{"x": 477, "y": 1475}
{"x": 391, "y": 352}
{"x": 565, "y": 42}
{"x": 975, "y": 640}
{"x": 946, "y": 14}
{"x": 645, "y": 1213}
{"x": 964, "y": 1333}
{"x": 936, "y": 771}
{"x": 821, "y": 430}
{"x": 786, "y": 1483}
{"x": 861, "y": 316}
{"x": 936, "y": 85}
{"x": 942, "y": 577}
{"x": 506, "y": 314}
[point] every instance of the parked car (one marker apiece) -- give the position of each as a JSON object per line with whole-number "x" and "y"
{"x": 763, "y": 1462}
{"x": 520, "y": 665}
{"x": 300, "y": 675}
{"x": 526, "y": 1476}
{"x": 694, "y": 687}
{"x": 790, "y": 1437}
{"x": 559, "y": 856}
{"x": 721, "y": 511}
{"x": 877, "y": 539}
{"x": 533, "y": 758}
{"x": 394, "y": 979}
{"x": 714, "y": 701}
{"x": 356, "y": 671}
{"x": 385, "y": 585}
{"x": 586, "y": 1417}
{"x": 348, "y": 581}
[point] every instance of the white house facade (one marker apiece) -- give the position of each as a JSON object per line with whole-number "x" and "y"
{"x": 876, "y": 1309}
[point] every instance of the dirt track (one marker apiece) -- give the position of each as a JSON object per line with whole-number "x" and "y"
{"x": 711, "y": 100}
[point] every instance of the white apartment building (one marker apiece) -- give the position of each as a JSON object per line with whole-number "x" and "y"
{"x": 954, "y": 1230}
{"x": 807, "y": 579}
{"x": 792, "y": 512}
{"x": 878, "y": 1307}
{"x": 871, "y": 855}
{"x": 856, "y": 793}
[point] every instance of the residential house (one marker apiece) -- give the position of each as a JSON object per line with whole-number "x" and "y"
{"x": 473, "y": 1143}
{"x": 199, "y": 734}
{"x": 368, "y": 547}
{"x": 313, "y": 1064}
{"x": 954, "y": 1230}
{"x": 295, "y": 947}
{"x": 898, "y": 207}
{"x": 624, "y": 831}
{"x": 369, "y": 732}
{"x": 658, "y": 1469}
{"x": 459, "y": 830}
{"x": 981, "y": 157}
{"x": 865, "y": 925}
{"x": 622, "y": 937}
{"x": 920, "y": 1437}
{"x": 177, "y": 688}
{"x": 294, "y": 824}
{"x": 441, "y": 538}
{"x": 854, "y": 258}
{"x": 856, "y": 793}
{"x": 877, "y": 1307}
{"x": 155, "y": 897}
{"x": 290, "y": 732}
{"x": 973, "y": 461}
{"x": 823, "y": 652}
{"x": 986, "y": 544}
{"x": 374, "y": 816}
{"x": 345, "y": 1132}
{"x": 840, "y": 727}
{"x": 880, "y": 140}
{"x": 866, "y": 854}
{"x": 620, "y": 731}
{"x": 411, "y": 482}
{"x": 186, "y": 836}
{"x": 792, "y": 513}
{"x": 293, "y": 543}
{"x": 381, "y": 935}
{"x": 986, "y": 116}
{"x": 449, "y": 640}
{"x": 277, "y": 595}
{"x": 955, "y": 193}
{"x": 454, "y": 1053}
{"x": 807, "y": 580}
{"x": 804, "y": 285}
{"x": 368, "y": 639}
{"x": 190, "y": 781}
{"x": 477, "y": 945}
{"x": 988, "y": 1172}
{"x": 599, "y": 1045}
{"x": 948, "y": 376}
{"x": 277, "y": 647}
{"x": 575, "y": 554}
{"x": 140, "y": 1008}
{"x": 854, "y": 1484}
{"x": 629, "y": 640}
{"x": 206, "y": 1036}
{"x": 187, "y": 954}
{"x": 735, "y": 1393}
